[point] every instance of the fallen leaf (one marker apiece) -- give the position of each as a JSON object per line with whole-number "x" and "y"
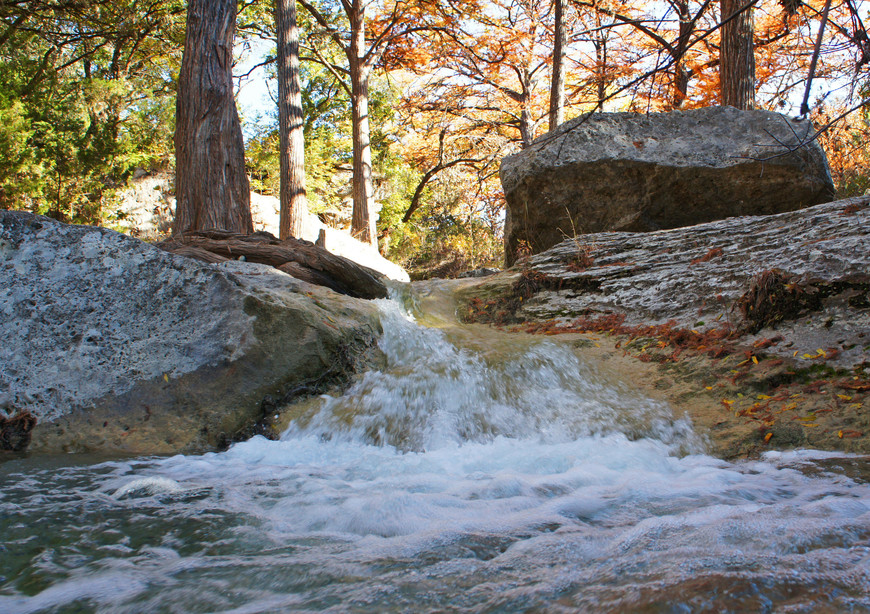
{"x": 768, "y": 437}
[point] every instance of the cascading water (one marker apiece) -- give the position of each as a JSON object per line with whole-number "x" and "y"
{"x": 497, "y": 475}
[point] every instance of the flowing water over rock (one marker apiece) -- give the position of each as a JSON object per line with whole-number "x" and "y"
{"x": 474, "y": 473}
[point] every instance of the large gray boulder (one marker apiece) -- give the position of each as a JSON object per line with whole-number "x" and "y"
{"x": 113, "y": 345}
{"x": 633, "y": 172}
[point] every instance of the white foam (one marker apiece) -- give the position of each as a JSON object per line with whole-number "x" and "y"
{"x": 147, "y": 486}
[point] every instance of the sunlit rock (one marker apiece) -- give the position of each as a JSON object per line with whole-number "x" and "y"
{"x": 635, "y": 172}
{"x": 115, "y": 345}
{"x": 705, "y": 277}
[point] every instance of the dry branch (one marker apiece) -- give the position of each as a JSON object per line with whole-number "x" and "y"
{"x": 300, "y": 259}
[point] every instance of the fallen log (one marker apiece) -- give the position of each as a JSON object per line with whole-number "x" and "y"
{"x": 298, "y": 258}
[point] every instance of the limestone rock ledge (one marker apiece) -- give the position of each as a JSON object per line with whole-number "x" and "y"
{"x": 816, "y": 259}
{"x": 115, "y": 346}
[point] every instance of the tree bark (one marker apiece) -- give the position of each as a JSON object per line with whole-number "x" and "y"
{"x": 737, "y": 55}
{"x": 681, "y": 73}
{"x": 599, "y": 42}
{"x": 363, "y": 222}
{"x": 294, "y": 203}
{"x": 557, "y": 85}
{"x": 212, "y": 188}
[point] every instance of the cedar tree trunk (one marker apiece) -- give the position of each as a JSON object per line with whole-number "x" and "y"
{"x": 557, "y": 86}
{"x": 211, "y": 185}
{"x": 363, "y": 223}
{"x": 737, "y": 55}
{"x": 292, "y": 140}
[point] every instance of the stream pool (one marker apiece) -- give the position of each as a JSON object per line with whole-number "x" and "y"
{"x": 466, "y": 476}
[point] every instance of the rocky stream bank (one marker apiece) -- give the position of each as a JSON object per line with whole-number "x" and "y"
{"x": 757, "y": 327}
{"x": 114, "y": 346}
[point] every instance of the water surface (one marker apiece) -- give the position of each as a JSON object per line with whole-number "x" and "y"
{"x": 506, "y": 475}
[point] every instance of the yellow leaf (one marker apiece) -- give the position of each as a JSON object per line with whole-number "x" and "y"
{"x": 807, "y": 356}
{"x": 709, "y": 387}
{"x": 840, "y": 434}
{"x": 795, "y": 353}
{"x": 821, "y": 352}
{"x": 755, "y": 360}
{"x": 767, "y": 437}
{"x": 810, "y": 426}
{"x": 845, "y": 397}
{"x": 763, "y": 397}
{"x": 728, "y": 402}
{"x": 165, "y": 377}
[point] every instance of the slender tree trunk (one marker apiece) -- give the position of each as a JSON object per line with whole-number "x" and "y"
{"x": 363, "y": 223}
{"x": 557, "y": 86}
{"x": 527, "y": 128}
{"x": 737, "y": 55}
{"x": 527, "y": 121}
{"x": 211, "y": 185}
{"x": 294, "y": 204}
{"x": 681, "y": 73}
{"x": 599, "y": 41}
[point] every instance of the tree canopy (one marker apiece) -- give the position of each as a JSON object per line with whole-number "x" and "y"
{"x": 409, "y": 105}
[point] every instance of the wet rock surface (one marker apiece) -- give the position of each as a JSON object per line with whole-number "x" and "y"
{"x": 113, "y": 345}
{"x": 626, "y": 171}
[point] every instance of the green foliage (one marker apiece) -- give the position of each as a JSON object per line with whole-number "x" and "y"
{"x": 87, "y": 96}
{"x": 19, "y": 170}
{"x": 443, "y": 238}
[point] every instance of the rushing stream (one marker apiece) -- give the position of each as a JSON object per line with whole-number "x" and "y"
{"x": 477, "y": 472}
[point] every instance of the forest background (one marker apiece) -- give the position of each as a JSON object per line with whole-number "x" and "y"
{"x": 88, "y": 98}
